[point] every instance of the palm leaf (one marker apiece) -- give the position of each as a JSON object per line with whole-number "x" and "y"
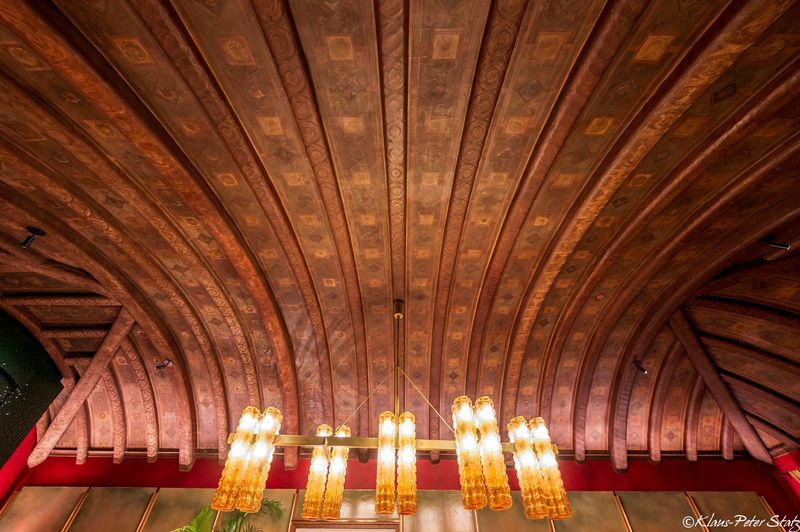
{"x": 271, "y": 507}
{"x": 202, "y": 522}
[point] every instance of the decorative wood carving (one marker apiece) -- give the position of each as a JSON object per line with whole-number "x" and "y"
{"x": 83, "y": 388}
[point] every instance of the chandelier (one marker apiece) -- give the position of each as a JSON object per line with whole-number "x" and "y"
{"x": 477, "y": 443}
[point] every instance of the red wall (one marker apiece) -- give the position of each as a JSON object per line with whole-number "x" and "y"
{"x": 594, "y": 475}
{"x": 13, "y": 471}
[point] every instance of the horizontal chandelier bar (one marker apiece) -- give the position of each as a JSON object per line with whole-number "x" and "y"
{"x": 359, "y": 442}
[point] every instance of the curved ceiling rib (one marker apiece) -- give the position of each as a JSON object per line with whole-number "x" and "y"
{"x": 564, "y": 198}
{"x": 218, "y": 166}
{"x": 612, "y": 29}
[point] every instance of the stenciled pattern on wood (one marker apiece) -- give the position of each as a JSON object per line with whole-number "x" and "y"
{"x": 234, "y": 191}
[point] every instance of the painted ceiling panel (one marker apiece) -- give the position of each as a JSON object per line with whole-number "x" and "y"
{"x": 586, "y": 209}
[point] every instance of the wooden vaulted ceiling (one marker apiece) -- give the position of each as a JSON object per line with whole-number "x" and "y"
{"x": 556, "y": 189}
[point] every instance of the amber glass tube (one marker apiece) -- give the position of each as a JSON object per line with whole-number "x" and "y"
{"x": 556, "y": 496}
{"x": 334, "y": 489}
{"x": 473, "y": 492}
{"x": 406, "y": 465}
{"x": 259, "y": 462}
{"x": 317, "y": 473}
{"x": 494, "y": 467}
{"x": 236, "y": 464}
{"x": 527, "y": 466}
{"x": 384, "y": 480}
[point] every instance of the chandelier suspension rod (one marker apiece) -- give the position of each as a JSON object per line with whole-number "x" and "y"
{"x": 397, "y": 370}
{"x": 411, "y": 382}
{"x": 398, "y": 317}
{"x": 362, "y": 403}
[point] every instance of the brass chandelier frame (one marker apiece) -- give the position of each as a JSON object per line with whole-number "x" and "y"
{"x": 481, "y": 464}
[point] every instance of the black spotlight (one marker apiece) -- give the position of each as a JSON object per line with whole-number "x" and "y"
{"x": 33, "y": 232}
{"x": 771, "y": 242}
{"x": 167, "y": 363}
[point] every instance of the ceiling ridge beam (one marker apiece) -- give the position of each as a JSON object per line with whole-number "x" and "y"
{"x": 83, "y": 388}
{"x": 704, "y": 364}
{"x": 74, "y": 332}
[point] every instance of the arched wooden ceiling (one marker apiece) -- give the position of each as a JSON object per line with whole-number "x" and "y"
{"x": 556, "y": 189}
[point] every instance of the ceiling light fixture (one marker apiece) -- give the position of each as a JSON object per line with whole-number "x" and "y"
{"x": 167, "y": 363}
{"x": 477, "y": 443}
{"x": 33, "y": 232}
{"x": 771, "y": 242}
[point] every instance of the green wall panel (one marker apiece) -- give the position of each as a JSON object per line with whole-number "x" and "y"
{"x": 112, "y": 509}
{"x": 726, "y": 505}
{"x": 440, "y": 511}
{"x": 120, "y": 509}
{"x": 592, "y": 511}
{"x": 36, "y": 509}
{"x": 655, "y": 511}
{"x": 175, "y": 507}
{"x": 511, "y": 519}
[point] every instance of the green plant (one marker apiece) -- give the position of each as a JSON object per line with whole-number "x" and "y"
{"x": 237, "y": 522}
{"x": 202, "y": 522}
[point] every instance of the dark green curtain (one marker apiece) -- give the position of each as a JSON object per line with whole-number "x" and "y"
{"x": 29, "y": 381}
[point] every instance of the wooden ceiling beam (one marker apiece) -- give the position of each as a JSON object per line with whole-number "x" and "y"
{"x": 692, "y": 418}
{"x": 663, "y": 378}
{"x": 83, "y": 388}
{"x": 722, "y": 394}
{"x": 771, "y": 430}
{"x": 59, "y": 300}
{"x": 30, "y": 261}
{"x": 75, "y": 332}
{"x": 119, "y": 425}
{"x": 82, "y": 433}
{"x": 726, "y": 439}
{"x": 148, "y": 398}
{"x": 790, "y": 266}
